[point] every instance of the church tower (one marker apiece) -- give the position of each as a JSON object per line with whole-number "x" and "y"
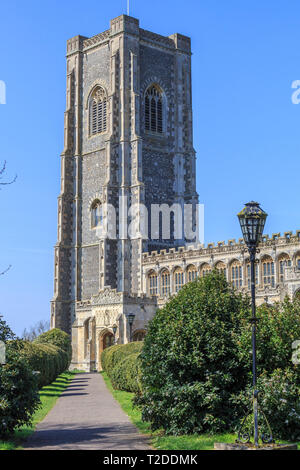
{"x": 128, "y": 137}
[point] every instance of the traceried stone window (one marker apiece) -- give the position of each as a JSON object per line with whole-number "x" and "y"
{"x": 221, "y": 268}
{"x": 205, "y": 269}
{"x": 236, "y": 274}
{"x": 191, "y": 273}
{"x": 165, "y": 283}
{"x": 268, "y": 271}
{"x": 284, "y": 261}
{"x": 96, "y": 214}
{"x": 152, "y": 278}
{"x": 154, "y": 109}
{"x": 98, "y": 111}
{"x": 178, "y": 279}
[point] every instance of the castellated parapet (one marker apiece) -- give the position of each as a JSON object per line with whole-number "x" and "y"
{"x": 277, "y": 268}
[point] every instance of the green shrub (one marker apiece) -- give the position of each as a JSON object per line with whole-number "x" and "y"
{"x": 190, "y": 362}
{"x": 47, "y": 359}
{"x": 278, "y": 328}
{"x": 111, "y": 356}
{"x": 126, "y": 375}
{"x": 19, "y": 397}
{"x": 58, "y": 338}
{"x": 279, "y": 399}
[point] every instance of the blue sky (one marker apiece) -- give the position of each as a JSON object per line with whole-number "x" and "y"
{"x": 246, "y": 54}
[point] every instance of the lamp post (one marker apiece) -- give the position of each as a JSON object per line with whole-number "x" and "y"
{"x": 252, "y": 220}
{"x": 114, "y": 328}
{"x": 131, "y": 317}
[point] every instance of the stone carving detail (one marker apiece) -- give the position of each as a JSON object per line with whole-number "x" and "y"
{"x": 107, "y": 296}
{"x": 107, "y": 318}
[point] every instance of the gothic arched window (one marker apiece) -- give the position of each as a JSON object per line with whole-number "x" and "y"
{"x": 98, "y": 111}
{"x": 153, "y": 283}
{"x": 165, "y": 283}
{"x": 154, "y": 109}
{"x": 191, "y": 273}
{"x": 205, "y": 269}
{"x": 268, "y": 271}
{"x": 284, "y": 262}
{"x": 236, "y": 274}
{"x": 178, "y": 279}
{"x": 97, "y": 214}
{"x": 221, "y": 268}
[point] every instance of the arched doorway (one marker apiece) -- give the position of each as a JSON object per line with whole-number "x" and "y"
{"x": 139, "y": 335}
{"x": 106, "y": 340}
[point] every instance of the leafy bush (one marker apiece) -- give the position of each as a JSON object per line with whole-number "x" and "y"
{"x": 111, "y": 356}
{"x": 126, "y": 375}
{"x": 278, "y": 328}
{"x": 19, "y": 397}
{"x": 47, "y": 359}
{"x": 190, "y": 361}
{"x": 279, "y": 400}
{"x": 57, "y": 338}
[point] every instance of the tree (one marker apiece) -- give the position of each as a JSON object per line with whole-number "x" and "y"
{"x": 41, "y": 327}
{"x": 6, "y": 333}
{"x": 190, "y": 361}
{"x": 278, "y": 328}
{"x": 19, "y": 397}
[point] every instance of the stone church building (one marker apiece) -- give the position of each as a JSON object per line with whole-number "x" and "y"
{"x": 128, "y": 136}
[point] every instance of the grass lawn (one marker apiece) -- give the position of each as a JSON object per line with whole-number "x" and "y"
{"x": 48, "y": 396}
{"x": 158, "y": 440}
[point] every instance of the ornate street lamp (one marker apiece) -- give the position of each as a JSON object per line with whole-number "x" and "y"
{"x": 252, "y": 220}
{"x": 131, "y": 317}
{"x": 114, "y": 328}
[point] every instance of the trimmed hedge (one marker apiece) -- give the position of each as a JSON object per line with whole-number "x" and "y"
{"x": 126, "y": 375}
{"x": 112, "y": 356}
{"x": 48, "y": 359}
{"x": 57, "y": 338}
{"x": 122, "y": 365}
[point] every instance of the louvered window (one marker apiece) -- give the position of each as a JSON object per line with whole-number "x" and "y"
{"x": 98, "y": 112}
{"x": 154, "y": 110}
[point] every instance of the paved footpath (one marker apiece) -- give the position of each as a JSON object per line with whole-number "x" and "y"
{"x": 86, "y": 417}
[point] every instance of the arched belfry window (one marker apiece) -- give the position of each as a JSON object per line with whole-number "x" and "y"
{"x": 98, "y": 111}
{"x": 97, "y": 214}
{"x": 154, "y": 109}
